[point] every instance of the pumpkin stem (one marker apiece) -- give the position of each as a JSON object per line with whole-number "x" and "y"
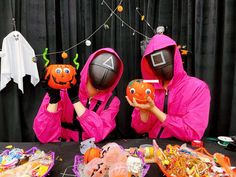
{"x": 75, "y": 61}
{"x": 45, "y": 57}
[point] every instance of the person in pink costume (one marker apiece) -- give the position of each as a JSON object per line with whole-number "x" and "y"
{"x": 86, "y": 111}
{"x": 181, "y": 105}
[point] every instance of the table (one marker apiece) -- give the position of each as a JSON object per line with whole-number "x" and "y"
{"x": 67, "y": 150}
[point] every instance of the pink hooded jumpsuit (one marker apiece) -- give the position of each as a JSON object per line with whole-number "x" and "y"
{"x": 187, "y": 100}
{"x": 97, "y": 121}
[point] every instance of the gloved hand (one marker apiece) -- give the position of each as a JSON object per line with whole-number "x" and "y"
{"x": 73, "y": 91}
{"x": 54, "y": 94}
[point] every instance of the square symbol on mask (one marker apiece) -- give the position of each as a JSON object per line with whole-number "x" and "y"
{"x": 158, "y": 59}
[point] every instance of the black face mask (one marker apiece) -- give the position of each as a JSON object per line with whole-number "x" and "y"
{"x": 162, "y": 63}
{"x": 104, "y": 70}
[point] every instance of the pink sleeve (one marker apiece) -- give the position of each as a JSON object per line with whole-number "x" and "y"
{"x": 46, "y": 124}
{"x": 138, "y": 124}
{"x": 99, "y": 126}
{"x": 193, "y": 124}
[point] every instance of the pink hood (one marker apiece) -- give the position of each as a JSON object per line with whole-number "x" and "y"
{"x": 156, "y": 43}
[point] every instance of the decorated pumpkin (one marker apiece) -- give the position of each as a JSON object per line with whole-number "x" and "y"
{"x": 90, "y": 154}
{"x": 60, "y": 76}
{"x": 140, "y": 91}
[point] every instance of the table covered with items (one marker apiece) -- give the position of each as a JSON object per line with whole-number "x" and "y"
{"x": 119, "y": 158}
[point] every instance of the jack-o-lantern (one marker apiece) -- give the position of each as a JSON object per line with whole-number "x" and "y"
{"x": 140, "y": 91}
{"x": 60, "y": 76}
{"x": 90, "y": 154}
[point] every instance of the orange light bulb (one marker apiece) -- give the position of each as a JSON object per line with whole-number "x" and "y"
{"x": 119, "y": 8}
{"x": 64, "y": 55}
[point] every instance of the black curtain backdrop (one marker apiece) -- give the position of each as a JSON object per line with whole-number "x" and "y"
{"x": 207, "y": 28}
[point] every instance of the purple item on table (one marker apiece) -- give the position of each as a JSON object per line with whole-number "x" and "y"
{"x": 52, "y": 154}
{"x": 79, "y": 160}
{"x": 31, "y": 152}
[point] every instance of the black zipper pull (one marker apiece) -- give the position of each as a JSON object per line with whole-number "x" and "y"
{"x": 88, "y": 103}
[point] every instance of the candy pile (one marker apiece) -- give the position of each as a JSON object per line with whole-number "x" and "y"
{"x": 181, "y": 161}
{"x": 109, "y": 161}
{"x": 31, "y": 163}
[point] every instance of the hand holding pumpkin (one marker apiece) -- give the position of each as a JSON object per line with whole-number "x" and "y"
{"x": 73, "y": 91}
{"x": 54, "y": 94}
{"x": 142, "y": 106}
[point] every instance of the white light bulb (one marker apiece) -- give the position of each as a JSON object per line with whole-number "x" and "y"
{"x": 88, "y": 42}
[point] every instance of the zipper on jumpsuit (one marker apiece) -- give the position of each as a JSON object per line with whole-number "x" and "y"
{"x": 164, "y": 110}
{"x": 80, "y": 132}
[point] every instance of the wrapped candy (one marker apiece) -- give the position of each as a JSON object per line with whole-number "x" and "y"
{"x": 181, "y": 161}
{"x": 95, "y": 168}
{"x": 110, "y": 153}
{"x": 31, "y": 163}
{"x": 118, "y": 170}
{"x": 114, "y": 161}
{"x": 135, "y": 166}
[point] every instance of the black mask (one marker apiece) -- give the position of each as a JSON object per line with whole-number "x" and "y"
{"x": 103, "y": 70}
{"x": 162, "y": 63}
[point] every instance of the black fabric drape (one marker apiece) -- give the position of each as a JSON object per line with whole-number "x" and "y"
{"x": 205, "y": 27}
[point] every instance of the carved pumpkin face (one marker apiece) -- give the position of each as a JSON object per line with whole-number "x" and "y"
{"x": 140, "y": 91}
{"x": 60, "y": 76}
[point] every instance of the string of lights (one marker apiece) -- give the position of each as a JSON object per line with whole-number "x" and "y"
{"x": 143, "y": 19}
{"x": 104, "y": 24}
{"x": 84, "y": 40}
{"x": 123, "y": 22}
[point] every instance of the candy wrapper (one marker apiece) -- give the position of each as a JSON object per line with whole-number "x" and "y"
{"x": 112, "y": 161}
{"x": 30, "y": 163}
{"x": 181, "y": 161}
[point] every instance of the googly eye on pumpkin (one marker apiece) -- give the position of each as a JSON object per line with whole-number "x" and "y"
{"x": 58, "y": 70}
{"x": 148, "y": 91}
{"x": 67, "y": 70}
{"x": 132, "y": 91}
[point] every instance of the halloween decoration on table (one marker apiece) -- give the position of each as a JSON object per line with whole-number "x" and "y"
{"x": 86, "y": 144}
{"x": 147, "y": 151}
{"x": 31, "y": 163}
{"x": 113, "y": 161}
{"x": 60, "y": 76}
{"x": 91, "y": 153}
{"x": 181, "y": 161}
{"x": 140, "y": 90}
